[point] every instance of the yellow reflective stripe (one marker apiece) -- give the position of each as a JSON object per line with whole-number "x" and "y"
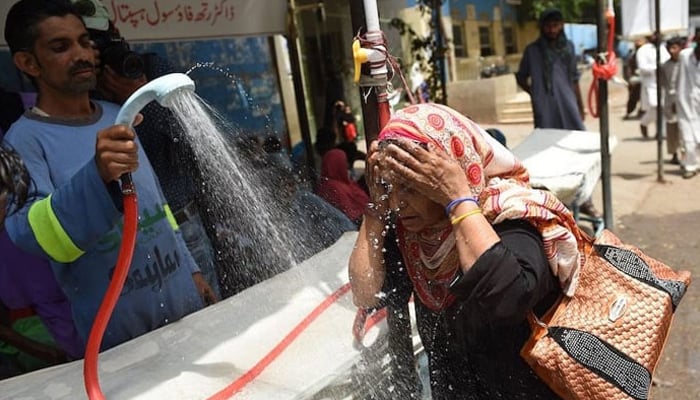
{"x": 50, "y": 234}
{"x": 171, "y": 218}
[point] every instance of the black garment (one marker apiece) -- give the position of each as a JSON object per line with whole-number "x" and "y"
{"x": 11, "y": 108}
{"x": 634, "y": 87}
{"x": 474, "y": 346}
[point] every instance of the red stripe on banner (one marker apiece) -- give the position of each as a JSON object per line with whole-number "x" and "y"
{"x": 258, "y": 368}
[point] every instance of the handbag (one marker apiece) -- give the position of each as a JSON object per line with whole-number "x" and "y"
{"x": 606, "y": 340}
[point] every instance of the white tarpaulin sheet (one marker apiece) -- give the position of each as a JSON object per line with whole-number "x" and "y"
{"x": 563, "y": 161}
{"x": 160, "y": 20}
{"x": 639, "y": 17}
{"x": 283, "y": 339}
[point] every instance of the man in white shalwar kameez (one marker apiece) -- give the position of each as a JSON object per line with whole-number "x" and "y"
{"x": 688, "y": 107}
{"x": 646, "y": 64}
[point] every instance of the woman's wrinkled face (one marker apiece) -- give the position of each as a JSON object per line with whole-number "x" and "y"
{"x": 415, "y": 211}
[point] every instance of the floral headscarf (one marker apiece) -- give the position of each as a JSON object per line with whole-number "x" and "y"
{"x": 501, "y": 183}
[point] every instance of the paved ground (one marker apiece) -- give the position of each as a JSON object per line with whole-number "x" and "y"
{"x": 662, "y": 218}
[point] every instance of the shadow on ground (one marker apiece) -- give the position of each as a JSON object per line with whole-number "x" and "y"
{"x": 673, "y": 239}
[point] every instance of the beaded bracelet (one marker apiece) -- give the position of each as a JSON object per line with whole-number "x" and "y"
{"x": 456, "y": 201}
{"x": 467, "y": 214}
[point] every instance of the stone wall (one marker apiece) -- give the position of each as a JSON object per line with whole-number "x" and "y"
{"x": 481, "y": 99}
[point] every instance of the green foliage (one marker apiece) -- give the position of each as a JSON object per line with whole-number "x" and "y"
{"x": 428, "y": 52}
{"x": 579, "y": 11}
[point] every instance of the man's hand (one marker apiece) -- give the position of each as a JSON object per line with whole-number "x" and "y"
{"x": 207, "y": 293}
{"x": 116, "y": 152}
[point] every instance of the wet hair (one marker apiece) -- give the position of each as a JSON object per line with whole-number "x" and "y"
{"x": 21, "y": 22}
{"x": 14, "y": 179}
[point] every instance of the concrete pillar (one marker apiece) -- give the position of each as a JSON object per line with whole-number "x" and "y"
{"x": 499, "y": 47}
{"x": 471, "y": 33}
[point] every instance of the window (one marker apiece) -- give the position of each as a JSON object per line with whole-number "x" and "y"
{"x": 458, "y": 41}
{"x": 509, "y": 40}
{"x": 485, "y": 41}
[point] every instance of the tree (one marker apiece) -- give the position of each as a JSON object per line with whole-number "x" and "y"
{"x": 429, "y": 51}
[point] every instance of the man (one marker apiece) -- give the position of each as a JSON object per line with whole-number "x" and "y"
{"x": 688, "y": 107}
{"x": 75, "y": 156}
{"x": 669, "y": 83}
{"x": 549, "y": 74}
{"x": 646, "y": 63}
{"x": 631, "y": 75}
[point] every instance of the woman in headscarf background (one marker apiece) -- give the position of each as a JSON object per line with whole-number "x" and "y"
{"x": 452, "y": 212}
{"x": 337, "y": 188}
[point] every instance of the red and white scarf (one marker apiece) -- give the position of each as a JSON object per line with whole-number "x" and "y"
{"x": 502, "y": 185}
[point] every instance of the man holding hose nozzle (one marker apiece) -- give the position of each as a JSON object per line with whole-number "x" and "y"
{"x": 75, "y": 156}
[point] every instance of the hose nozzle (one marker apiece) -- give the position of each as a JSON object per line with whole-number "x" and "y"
{"x": 162, "y": 90}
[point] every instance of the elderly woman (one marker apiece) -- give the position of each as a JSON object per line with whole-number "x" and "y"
{"x": 453, "y": 213}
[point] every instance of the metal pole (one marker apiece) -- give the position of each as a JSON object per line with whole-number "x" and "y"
{"x": 299, "y": 93}
{"x": 370, "y": 105}
{"x": 659, "y": 110}
{"x": 439, "y": 38}
{"x": 604, "y": 120}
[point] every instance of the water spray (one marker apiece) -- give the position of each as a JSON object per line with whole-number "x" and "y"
{"x": 161, "y": 90}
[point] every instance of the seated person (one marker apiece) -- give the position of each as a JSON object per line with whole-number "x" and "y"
{"x": 25, "y": 344}
{"x": 337, "y": 188}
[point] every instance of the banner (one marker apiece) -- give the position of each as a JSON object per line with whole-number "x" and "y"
{"x": 639, "y": 17}
{"x": 163, "y": 20}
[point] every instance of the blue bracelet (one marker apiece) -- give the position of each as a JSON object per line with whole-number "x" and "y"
{"x": 454, "y": 203}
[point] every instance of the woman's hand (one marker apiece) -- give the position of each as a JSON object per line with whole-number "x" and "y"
{"x": 430, "y": 172}
{"x": 379, "y": 199}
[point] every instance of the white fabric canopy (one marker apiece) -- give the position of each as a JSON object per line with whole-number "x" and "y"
{"x": 639, "y": 17}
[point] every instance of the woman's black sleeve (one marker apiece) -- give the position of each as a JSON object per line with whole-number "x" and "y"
{"x": 509, "y": 279}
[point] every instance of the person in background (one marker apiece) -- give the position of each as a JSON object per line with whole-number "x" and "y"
{"x": 25, "y": 344}
{"x": 452, "y": 212}
{"x": 688, "y": 107}
{"x": 549, "y": 74}
{"x": 162, "y": 139}
{"x": 349, "y": 127}
{"x": 646, "y": 63}
{"x": 669, "y": 83}
{"x": 634, "y": 86}
{"x": 336, "y": 187}
{"x": 11, "y": 108}
{"x": 36, "y": 306}
{"x": 75, "y": 156}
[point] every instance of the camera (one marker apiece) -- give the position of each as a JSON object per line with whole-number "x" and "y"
{"x": 115, "y": 52}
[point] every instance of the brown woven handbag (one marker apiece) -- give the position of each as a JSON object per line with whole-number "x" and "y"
{"x": 605, "y": 341}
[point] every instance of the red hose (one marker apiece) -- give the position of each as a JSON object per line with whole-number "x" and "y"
{"x": 126, "y": 253}
{"x": 605, "y": 70}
